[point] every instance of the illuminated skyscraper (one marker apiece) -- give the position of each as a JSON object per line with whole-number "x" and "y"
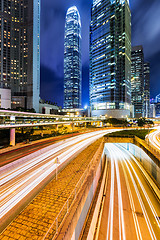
{"x": 110, "y": 58}
{"x": 72, "y": 60}
{"x": 146, "y": 89}
{"x": 137, "y": 81}
{"x": 20, "y": 51}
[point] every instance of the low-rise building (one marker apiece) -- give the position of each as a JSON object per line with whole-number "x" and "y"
{"x": 48, "y": 107}
{"x": 5, "y": 98}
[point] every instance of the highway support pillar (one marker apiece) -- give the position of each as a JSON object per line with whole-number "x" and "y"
{"x": 72, "y": 126}
{"x": 12, "y": 133}
{"x": 12, "y": 137}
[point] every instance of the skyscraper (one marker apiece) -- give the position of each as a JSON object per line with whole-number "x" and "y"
{"x": 110, "y": 58}
{"x": 137, "y": 81}
{"x": 72, "y": 60}
{"x": 146, "y": 89}
{"x": 20, "y": 51}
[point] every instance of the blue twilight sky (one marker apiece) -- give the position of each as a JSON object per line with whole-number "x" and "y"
{"x": 145, "y": 31}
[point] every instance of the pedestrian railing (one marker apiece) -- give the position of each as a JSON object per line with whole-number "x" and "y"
{"x": 52, "y": 231}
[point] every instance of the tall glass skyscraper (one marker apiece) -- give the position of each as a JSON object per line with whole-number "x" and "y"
{"x": 137, "y": 81}
{"x": 146, "y": 89}
{"x": 110, "y": 58}
{"x": 20, "y": 51}
{"x": 72, "y": 60}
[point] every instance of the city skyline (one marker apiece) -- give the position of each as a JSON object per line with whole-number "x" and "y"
{"x": 52, "y": 71}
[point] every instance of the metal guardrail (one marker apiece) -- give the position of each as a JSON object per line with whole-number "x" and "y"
{"x": 65, "y": 209}
{"x": 155, "y": 152}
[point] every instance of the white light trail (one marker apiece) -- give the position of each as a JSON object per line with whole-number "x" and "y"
{"x": 154, "y": 138}
{"x": 111, "y": 203}
{"x": 138, "y": 231}
{"x": 121, "y": 216}
{"x": 127, "y": 163}
{"x": 155, "y": 214}
{"x": 23, "y": 177}
{"x": 114, "y": 167}
{"x": 120, "y": 155}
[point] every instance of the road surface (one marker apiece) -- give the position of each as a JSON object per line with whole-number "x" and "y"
{"x": 12, "y": 155}
{"x": 154, "y": 139}
{"x": 131, "y": 208}
{"x": 18, "y": 179}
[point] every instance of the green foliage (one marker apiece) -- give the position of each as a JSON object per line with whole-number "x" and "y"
{"x": 142, "y": 122}
{"x": 149, "y": 122}
{"x": 115, "y": 121}
{"x": 129, "y": 133}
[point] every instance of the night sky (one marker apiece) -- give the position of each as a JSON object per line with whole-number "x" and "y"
{"x": 145, "y": 31}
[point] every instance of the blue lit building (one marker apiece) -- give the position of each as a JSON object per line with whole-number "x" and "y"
{"x": 72, "y": 60}
{"x": 110, "y": 58}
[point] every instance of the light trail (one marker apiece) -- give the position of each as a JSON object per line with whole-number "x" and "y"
{"x": 154, "y": 138}
{"x": 135, "y": 218}
{"x": 21, "y": 178}
{"x": 128, "y": 164}
{"x": 111, "y": 204}
{"x": 152, "y": 234}
{"x": 121, "y": 217}
{"x": 7, "y": 176}
{"x": 128, "y": 174}
{"x": 155, "y": 214}
{"x": 115, "y": 169}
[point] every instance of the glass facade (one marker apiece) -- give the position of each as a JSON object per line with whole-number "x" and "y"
{"x": 110, "y": 56}
{"x": 20, "y": 49}
{"x": 137, "y": 81}
{"x": 146, "y": 89}
{"x": 72, "y": 60}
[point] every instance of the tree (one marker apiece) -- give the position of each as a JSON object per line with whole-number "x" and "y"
{"x": 141, "y": 122}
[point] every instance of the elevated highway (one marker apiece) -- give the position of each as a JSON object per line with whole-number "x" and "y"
{"x": 12, "y": 120}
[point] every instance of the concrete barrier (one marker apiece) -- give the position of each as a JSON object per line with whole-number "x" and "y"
{"x": 73, "y": 223}
{"x": 146, "y": 161}
{"x": 151, "y": 152}
{"x": 97, "y": 215}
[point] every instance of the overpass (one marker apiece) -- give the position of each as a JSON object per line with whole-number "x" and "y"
{"x": 13, "y": 119}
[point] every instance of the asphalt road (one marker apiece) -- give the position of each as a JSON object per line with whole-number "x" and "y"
{"x": 20, "y": 178}
{"x": 131, "y": 208}
{"x": 154, "y": 139}
{"x": 12, "y": 155}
